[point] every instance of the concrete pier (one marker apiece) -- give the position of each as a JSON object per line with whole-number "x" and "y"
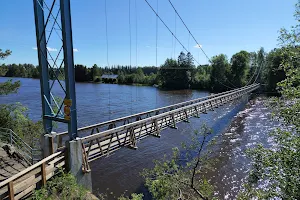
{"x": 75, "y": 163}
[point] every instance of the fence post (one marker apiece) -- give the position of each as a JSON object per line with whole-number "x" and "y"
{"x": 11, "y": 139}
{"x": 43, "y": 173}
{"x": 11, "y": 193}
{"x": 75, "y": 163}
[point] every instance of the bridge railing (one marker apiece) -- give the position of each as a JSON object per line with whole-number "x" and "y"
{"x": 22, "y": 184}
{"x": 105, "y": 142}
{"x": 30, "y": 155}
{"x": 103, "y": 126}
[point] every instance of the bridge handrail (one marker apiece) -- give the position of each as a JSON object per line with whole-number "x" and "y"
{"x": 155, "y": 110}
{"x": 126, "y": 126}
{"x": 24, "y": 149}
{"x": 19, "y": 185}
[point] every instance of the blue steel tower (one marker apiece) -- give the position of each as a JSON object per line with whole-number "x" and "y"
{"x": 57, "y": 77}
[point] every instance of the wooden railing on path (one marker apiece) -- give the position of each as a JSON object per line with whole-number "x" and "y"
{"x": 30, "y": 155}
{"x": 22, "y": 184}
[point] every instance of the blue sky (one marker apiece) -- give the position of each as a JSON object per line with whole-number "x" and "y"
{"x": 219, "y": 26}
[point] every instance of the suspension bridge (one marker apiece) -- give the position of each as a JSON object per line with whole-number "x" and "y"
{"x": 77, "y": 147}
{"x": 101, "y": 139}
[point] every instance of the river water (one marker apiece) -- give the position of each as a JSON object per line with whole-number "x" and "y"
{"x": 237, "y": 126}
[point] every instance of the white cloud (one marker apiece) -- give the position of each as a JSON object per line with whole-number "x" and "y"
{"x": 147, "y": 46}
{"x": 198, "y": 46}
{"x": 51, "y": 49}
{"x": 54, "y": 49}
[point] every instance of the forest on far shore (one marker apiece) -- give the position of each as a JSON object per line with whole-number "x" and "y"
{"x": 221, "y": 74}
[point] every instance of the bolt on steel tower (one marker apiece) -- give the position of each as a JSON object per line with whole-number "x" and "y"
{"x": 57, "y": 77}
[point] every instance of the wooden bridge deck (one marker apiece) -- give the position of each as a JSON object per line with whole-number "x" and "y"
{"x": 104, "y": 138}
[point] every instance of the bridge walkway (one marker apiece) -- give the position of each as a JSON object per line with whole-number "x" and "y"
{"x": 104, "y": 138}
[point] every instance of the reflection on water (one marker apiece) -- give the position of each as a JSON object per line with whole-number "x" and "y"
{"x": 100, "y": 102}
{"x": 236, "y": 127}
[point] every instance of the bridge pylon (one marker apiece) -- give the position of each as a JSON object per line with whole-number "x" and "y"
{"x": 56, "y": 62}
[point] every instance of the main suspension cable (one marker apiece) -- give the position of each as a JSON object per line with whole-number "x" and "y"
{"x": 200, "y": 47}
{"x": 136, "y": 46}
{"x": 166, "y": 26}
{"x": 176, "y": 39}
{"x": 189, "y": 30}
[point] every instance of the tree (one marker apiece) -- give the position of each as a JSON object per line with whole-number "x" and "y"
{"x": 169, "y": 74}
{"x": 95, "y": 72}
{"x": 239, "y": 65}
{"x": 257, "y": 66}
{"x": 13, "y": 116}
{"x": 81, "y": 73}
{"x": 181, "y": 177}
{"x": 9, "y": 87}
{"x": 4, "y": 54}
{"x": 219, "y": 64}
{"x": 273, "y": 70}
{"x": 177, "y": 74}
{"x": 201, "y": 78}
{"x": 261, "y": 63}
{"x": 253, "y": 68}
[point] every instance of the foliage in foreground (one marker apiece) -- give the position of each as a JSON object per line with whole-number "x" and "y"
{"x": 4, "y": 54}
{"x": 62, "y": 187}
{"x": 9, "y": 87}
{"x": 14, "y": 117}
{"x": 181, "y": 177}
{"x": 275, "y": 171}
{"x": 65, "y": 187}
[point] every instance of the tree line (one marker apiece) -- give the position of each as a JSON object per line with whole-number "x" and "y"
{"x": 221, "y": 74}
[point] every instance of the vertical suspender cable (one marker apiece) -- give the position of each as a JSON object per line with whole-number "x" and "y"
{"x": 172, "y": 47}
{"x": 156, "y": 47}
{"x": 136, "y": 46}
{"x": 129, "y": 23}
{"x": 175, "y": 36}
{"x": 176, "y": 13}
{"x": 107, "y": 60}
{"x": 189, "y": 43}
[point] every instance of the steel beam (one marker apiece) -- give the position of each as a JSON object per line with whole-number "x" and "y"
{"x": 69, "y": 64}
{"x": 43, "y": 63}
{"x": 46, "y": 23}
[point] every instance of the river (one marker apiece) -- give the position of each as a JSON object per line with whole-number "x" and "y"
{"x": 237, "y": 126}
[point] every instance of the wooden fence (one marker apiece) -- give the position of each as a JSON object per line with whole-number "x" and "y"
{"x": 22, "y": 184}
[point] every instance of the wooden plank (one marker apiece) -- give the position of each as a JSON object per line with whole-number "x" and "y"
{"x": 27, "y": 183}
{"x": 33, "y": 180}
{"x": 25, "y": 192}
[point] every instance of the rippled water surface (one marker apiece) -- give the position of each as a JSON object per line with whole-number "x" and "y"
{"x": 237, "y": 126}
{"x": 248, "y": 128}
